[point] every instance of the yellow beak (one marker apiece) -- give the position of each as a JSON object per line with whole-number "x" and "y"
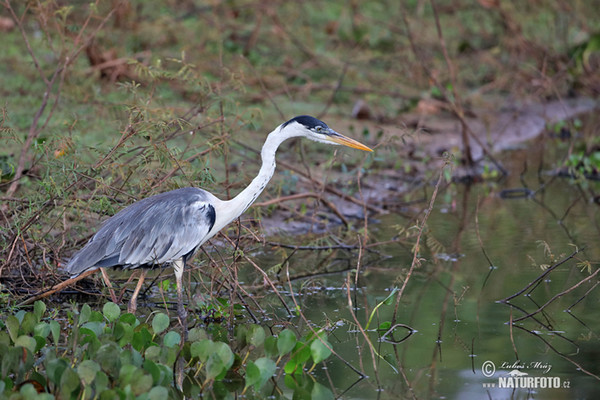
{"x": 346, "y": 141}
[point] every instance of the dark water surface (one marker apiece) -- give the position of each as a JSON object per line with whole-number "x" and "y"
{"x": 463, "y": 347}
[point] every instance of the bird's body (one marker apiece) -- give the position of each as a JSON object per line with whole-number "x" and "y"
{"x": 170, "y": 227}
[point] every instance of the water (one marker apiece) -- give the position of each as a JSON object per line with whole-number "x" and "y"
{"x": 463, "y": 346}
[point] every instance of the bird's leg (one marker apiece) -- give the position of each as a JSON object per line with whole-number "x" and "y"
{"x": 133, "y": 301}
{"x": 179, "y": 266}
{"x": 111, "y": 291}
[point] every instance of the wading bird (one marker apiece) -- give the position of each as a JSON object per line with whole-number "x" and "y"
{"x": 168, "y": 228}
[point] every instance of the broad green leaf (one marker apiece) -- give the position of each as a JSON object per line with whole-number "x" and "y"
{"x": 84, "y": 315}
{"x": 271, "y": 346}
{"x": 152, "y": 353}
{"x": 55, "y": 329}
{"x": 286, "y": 341}
{"x": 255, "y": 335}
{"x": 29, "y": 322}
{"x": 42, "y": 329}
{"x": 96, "y": 327}
{"x": 219, "y": 361}
{"x": 87, "y": 371}
{"x": 26, "y": 341}
{"x": 319, "y": 351}
{"x": 39, "y": 308}
{"x": 160, "y": 323}
{"x": 158, "y": 393}
{"x": 12, "y": 325}
{"x": 171, "y": 339}
{"x": 55, "y": 369}
{"x": 69, "y": 381}
{"x": 108, "y": 358}
{"x": 111, "y": 311}
{"x": 197, "y": 334}
{"x": 267, "y": 368}
{"x": 202, "y": 349}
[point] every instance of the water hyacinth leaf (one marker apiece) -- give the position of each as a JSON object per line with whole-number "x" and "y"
{"x": 255, "y": 335}
{"x": 171, "y": 339}
{"x": 42, "y": 329}
{"x": 158, "y": 393}
{"x": 271, "y": 346}
{"x": 219, "y": 361}
{"x": 267, "y": 368}
{"x": 128, "y": 319}
{"x": 87, "y": 371}
{"x": 84, "y": 315}
{"x": 197, "y": 334}
{"x": 40, "y": 342}
{"x": 55, "y": 369}
{"x": 152, "y": 353}
{"x": 39, "y": 308}
{"x": 108, "y": 358}
{"x": 153, "y": 370}
{"x": 320, "y": 350}
{"x": 26, "y": 341}
{"x": 111, "y": 311}
{"x": 141, "y": 339}
{"x": 160, "y": 323}
{"x": 12, "y": 325}
{"x": 290, "y": 366}
{"x": 286, "y": 341}
{"x": 55, "y": 329}
{"x": 202, "y": 349}
{"x": 252, "y": 374}
{"x": 94, "y": 326}
{"x": 69, "y": 381}
{"x": 29, "y": 322}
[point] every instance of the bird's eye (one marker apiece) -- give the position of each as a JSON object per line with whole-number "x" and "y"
{"x": 319, "y": 129}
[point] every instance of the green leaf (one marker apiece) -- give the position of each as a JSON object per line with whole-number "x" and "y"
{"x": 55, "y": 369}
{"x": 29, "y": 322}
{"x": 202, "y": 349}
{"x": 255, "y": 335}
{"x": 42, "y": 329}
{"x": 197, "y": 334}
{"x": 12, "y": 325}
{"x": 55, "y": 329}
{"x": 84, "y": 315}
{"x": 271, "y": 346}
{"x": 319, "y": 351}
{"x": 260, "y": 372}
{"x": 26, "y": 341}
{"x": 87, "y": 371}
{"x": 286, "y": 341}
{"x": 108, "y": 358}
{"x": 94, "y": 327}
{"x": 171, "y": 339}
{"x": 111, "y": 311}
{"x": 219, "y": 361}
{"x": 39, "y": 308}
{"x": 158, "y": 393}
{"x": 160, "y": 323}
{"x": 69, "y": 381}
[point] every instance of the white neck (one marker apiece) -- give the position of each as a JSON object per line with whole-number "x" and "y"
{"x": 231, "y": 209}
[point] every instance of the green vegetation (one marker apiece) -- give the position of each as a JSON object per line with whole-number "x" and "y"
{"x": 106, "y": 355}
{"x": 107, "y": 102}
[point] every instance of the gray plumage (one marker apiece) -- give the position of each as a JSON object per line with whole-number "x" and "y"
{"x": 155, "y": 230}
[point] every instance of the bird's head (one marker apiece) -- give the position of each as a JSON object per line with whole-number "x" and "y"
{"x": 317, "y": 130}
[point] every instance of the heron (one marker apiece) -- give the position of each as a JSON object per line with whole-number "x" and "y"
{"x": 168, "y": 228}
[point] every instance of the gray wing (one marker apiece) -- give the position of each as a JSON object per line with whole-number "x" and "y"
{"x": 155, "y": 230}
